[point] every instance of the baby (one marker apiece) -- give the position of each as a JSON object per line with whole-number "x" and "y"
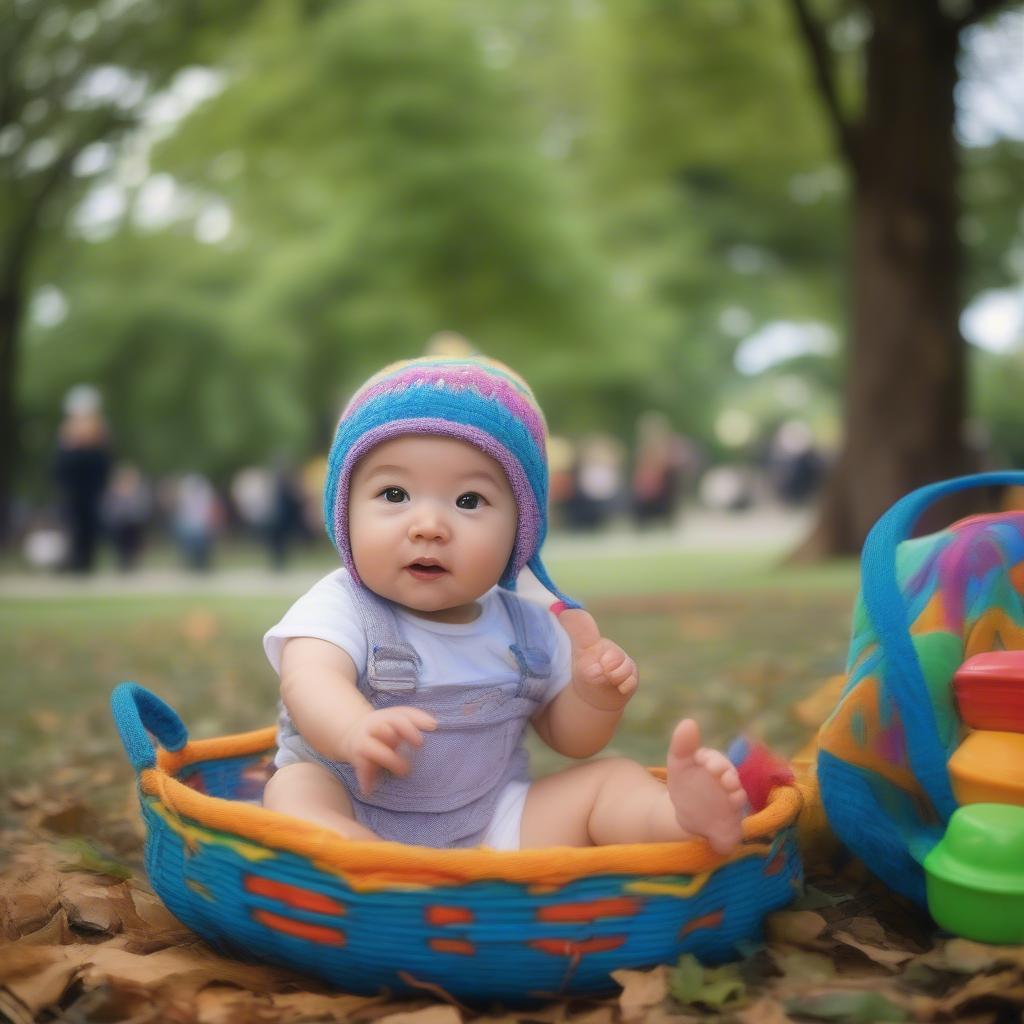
{"x": 408, "y": 678}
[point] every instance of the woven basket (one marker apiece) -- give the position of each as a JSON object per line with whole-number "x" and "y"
{"x": 484, "y": 926}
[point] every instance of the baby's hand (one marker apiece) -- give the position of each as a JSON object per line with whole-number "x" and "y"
{"x": 372, "y": 741}
{"x": 603, "y": 674}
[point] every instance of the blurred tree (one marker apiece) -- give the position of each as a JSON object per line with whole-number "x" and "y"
{"x": 392, "y": 185}
{"x": 886, "y": 74}
{"x": 610, "y": 195}
{"x": 715, "y": 186}
{"x": 75, "y": 76}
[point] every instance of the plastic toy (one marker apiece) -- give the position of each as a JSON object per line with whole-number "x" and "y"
{"x": 988, "y": 767}
{"x": 989, "y": 691}
{"x": 976, "y": 874}
{"x": 485, "y": 926}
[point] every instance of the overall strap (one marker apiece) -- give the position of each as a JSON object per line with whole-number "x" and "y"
{"x": 392, "y": 665}
{"x": 531, "y": 656}
{"x": 887, "y": 611}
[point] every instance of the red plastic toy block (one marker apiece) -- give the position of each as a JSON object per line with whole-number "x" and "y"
{"x": 989, "y": 691}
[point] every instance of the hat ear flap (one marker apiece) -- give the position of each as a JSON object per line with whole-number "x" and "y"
{"x": 536, "y": 566}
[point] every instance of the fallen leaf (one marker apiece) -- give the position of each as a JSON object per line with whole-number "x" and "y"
{"x": 692, "y": 984}
{"x": 45, "y": 720}
{"x": 1005, "y": 985}
{"x": 200, "y": 627}
{"x": 890, "y": 958}
{"x": 795, "y": 927}
{"x": 439, "y": 1014}
{"x": 967, "y": 957}
{"x": 641, "y": 990}
{"x": 69, "y": 817}
{"x": 193, "y": 966}
{"x": 93, "y": 914}
{"x": 42, "y": 975}
{"x": 221, "y": 1004}
{"x": 25, "y": 797}
{"x": 846, "y": 1006}
{"x": 604, "y": 1014}
{"x": 79, "y": 854}
{"x": 765, "y": 1010}
{"x": 866, "y": 929}
{"x": 13, "y": 1010}
{"x": 95, "y": 906}
{"x": 151, "y": 910}
{"x": 56, "y": 932}
{"x": 25, "y": 912}
{"x": 802, "y": 966}
{"x": 312, "y": 1006}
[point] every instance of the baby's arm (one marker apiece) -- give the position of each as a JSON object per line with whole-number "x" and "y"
{"x": 582, "y": 718}
{"x": 318, "y": 687}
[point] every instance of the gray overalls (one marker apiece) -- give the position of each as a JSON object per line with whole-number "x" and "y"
{"x": 449, "y": 796}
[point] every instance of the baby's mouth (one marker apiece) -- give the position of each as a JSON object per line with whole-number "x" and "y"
{"x": 426, "y": 570}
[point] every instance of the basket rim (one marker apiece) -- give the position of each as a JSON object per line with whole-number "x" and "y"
{"x": 385, "y": 864}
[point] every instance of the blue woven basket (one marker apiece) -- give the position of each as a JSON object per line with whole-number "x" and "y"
{"x": 483, "y": 925}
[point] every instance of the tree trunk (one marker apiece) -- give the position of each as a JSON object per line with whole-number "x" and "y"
{"x": 906, "y": 368}
{"x": 10, "y": 324}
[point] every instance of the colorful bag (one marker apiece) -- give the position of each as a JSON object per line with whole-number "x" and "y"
{"x": 483, "y": 925}
{"x": 926, "y": 605}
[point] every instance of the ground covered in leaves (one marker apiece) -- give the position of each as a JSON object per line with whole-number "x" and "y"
{"x": 83, "y": 938}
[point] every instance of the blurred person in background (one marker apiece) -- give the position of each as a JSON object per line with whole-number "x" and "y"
{"x": 662, "y": 463}
{"x": 286, "y": 521}
{"x": 795, "y": 466}
{"x": 81, "y": 468}
{"x": 195, "y": 518}
{"x": 127, "y": 507}
{"x": 598, "y": 482}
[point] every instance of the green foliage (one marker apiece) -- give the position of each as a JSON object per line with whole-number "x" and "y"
{"x": 607, "y": 195}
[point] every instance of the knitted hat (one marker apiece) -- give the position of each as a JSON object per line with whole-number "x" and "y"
{"x": 471, "y": 399}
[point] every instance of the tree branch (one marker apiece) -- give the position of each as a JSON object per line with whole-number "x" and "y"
{"x": 824, "y": 77}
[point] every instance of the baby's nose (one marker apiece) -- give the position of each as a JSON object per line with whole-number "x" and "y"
{"x": 429, "y": 525}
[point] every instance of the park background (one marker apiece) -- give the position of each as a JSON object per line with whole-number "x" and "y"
{"x": 728, "y": 218}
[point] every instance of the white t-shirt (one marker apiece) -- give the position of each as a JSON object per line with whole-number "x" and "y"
{"x": 470, "y": 653}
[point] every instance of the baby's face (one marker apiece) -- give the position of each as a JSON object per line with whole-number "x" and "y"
{"x": 432, "y": 522}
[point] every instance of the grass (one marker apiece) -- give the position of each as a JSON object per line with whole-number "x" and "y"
{"x": 730, "y": 638}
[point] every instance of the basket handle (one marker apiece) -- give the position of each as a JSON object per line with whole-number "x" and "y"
{"x": 883, "y": 601}
{"x": 137, "y": 713}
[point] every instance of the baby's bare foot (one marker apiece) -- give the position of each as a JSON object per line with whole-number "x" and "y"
{"x": 705, "y": 789}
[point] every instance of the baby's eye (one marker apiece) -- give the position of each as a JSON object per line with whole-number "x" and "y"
{"x": 394, "y": 494}
{"x": 469, "y": 500}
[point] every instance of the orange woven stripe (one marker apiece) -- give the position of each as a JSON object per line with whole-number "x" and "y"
{"x": 293, "y": 895}
{"x": 300, "y": 929}
{"x": 712, "y": 920}
{"x": 238, "y": 745}
{"x": 448, "y": 915}
{"x": 460, "y": 946}
{"x": 565, "y": 947}
{"x": 590, "y": 911}
{"x": 364, "y": 864}
{"x": 776, "y": 864}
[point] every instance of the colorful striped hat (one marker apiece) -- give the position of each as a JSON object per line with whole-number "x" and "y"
{"x": 473, "y": 399}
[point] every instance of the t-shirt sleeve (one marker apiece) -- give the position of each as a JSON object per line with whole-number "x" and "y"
{"x": 325, "y": 612}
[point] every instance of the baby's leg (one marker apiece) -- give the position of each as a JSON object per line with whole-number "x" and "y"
{"x": 619, "y": 801}
{"x": 309, "y": 791}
